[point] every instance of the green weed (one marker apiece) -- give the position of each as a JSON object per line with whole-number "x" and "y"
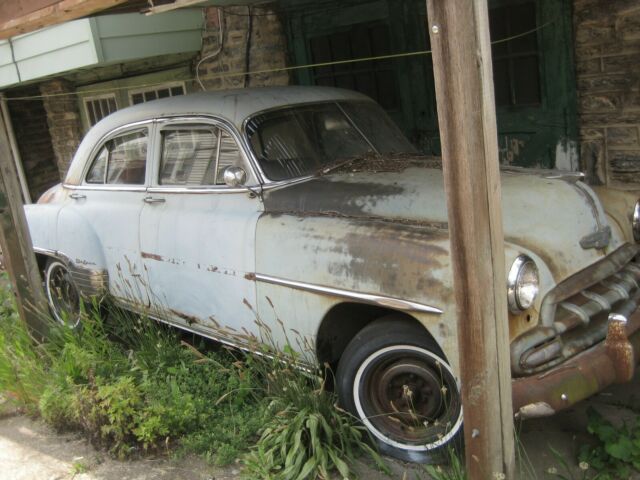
{"x": 455, "y": 470}
{"x": 617, "y": 452}
{"x": 134, "y": 386}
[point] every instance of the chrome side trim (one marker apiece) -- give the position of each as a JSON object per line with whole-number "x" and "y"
{"x": 212, "y": 189}
{"x": 91, "y": 282}
{"x": 105, "y": 188}
{"x": 370, "y": 298}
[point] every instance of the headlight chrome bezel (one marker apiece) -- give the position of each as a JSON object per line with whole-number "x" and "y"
{"x": 635, "y": 222}
{"x": 518, "y": 268}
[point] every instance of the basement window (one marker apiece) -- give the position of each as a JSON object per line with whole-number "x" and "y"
{"x": 99, "y": 107}
{"x": 154, "y": 93}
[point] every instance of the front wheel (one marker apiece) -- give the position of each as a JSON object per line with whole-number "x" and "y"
{"x": 62, "y": 294}
{"x": 394, "y": 378}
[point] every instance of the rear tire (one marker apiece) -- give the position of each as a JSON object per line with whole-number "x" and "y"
{"x": 394, "y": 378}
{"x": 62, "y": 294}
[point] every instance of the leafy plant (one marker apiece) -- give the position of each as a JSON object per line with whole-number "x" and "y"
{"x": 617, "y": 452}
{"x": 133, "y": 385}
{"x": 306, "y": 434}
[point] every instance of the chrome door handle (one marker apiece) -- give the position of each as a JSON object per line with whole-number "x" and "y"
{"x": 153, "y": 200}
{"x": 77, "y": 196}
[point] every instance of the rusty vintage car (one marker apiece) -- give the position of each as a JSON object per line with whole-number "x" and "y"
{"x": 307, "y": 206}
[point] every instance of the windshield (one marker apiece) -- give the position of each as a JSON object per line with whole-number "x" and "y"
{"x": 298, "y": 141}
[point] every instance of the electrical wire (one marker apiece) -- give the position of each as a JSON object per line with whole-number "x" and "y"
{"x": 224, "y": 75}
{"x": 217, "y": 52}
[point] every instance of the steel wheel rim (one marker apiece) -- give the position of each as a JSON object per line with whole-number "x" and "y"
{"x": 63, "y": 295}
{"x": 408, "y": 398}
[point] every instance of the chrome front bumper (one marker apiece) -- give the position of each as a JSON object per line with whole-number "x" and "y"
{"x": 613, "y": 360}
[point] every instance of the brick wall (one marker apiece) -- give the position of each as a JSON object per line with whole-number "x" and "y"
{"x": 268, "y": 48}
{"x": 607, "y": 47}
{"x": 29, "y": 121}
{"x": 63, "y": 119}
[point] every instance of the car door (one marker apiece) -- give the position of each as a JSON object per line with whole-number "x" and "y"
{"x": 109, "y": 201}
{"x": 197, "y": 235}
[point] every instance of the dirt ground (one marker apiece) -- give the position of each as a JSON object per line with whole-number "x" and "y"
{"x": 31, "y": 451}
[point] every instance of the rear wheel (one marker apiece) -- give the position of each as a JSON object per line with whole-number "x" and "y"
{"x": 394, "y": 378}
{"x": 62, "y": 294}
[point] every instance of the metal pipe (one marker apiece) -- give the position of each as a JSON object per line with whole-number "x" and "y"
{"x": 13, "y": 144}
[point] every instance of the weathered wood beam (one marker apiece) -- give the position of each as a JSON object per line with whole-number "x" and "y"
{"x": 25, "y": 16}
{"x": 17, "y": 249}
{"x": 459, "y": 32}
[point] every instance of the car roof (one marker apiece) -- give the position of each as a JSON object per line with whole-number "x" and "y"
{"x": 235, "y": 106}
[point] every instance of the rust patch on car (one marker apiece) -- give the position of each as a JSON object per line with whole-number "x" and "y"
{"x": 406, "y": 258}
{"x": 152, "y": 256}
{"x": 365, "y": 218}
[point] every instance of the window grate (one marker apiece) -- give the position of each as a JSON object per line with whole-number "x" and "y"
{"x": 99, "y": 107}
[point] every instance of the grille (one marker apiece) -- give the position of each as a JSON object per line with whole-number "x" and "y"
{"x": 574, "y": 315}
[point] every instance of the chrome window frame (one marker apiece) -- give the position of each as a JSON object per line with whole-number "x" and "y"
{"x": 123, "y": 129}
{"x": 205, "y": 121}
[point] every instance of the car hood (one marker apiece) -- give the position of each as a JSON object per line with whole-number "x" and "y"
{"x": 545, "y": 213}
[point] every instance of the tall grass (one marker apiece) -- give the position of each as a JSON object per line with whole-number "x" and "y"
{"x": 134, "y": 386}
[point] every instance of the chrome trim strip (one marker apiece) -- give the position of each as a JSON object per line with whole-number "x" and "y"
{"x": 88, "y": 160}
{"x": 212, "y": 189}
{"x": 219, "y": 122}
{"x": 105, "y": 187}
{"x": 91, "y": 282}
{"x": 373, "y": 299}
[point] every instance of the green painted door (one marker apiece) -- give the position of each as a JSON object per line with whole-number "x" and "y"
{"x": 535, "y": 86}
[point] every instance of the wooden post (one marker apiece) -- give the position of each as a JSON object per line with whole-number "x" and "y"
{"x": 459, "y": 32}
{"x": 17, "y": 249}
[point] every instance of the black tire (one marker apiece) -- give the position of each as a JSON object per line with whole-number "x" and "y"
{"x": 395, "y": 379}
{"x": 62, "y": 293}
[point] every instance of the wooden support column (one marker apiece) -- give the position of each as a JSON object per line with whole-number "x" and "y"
{"x": 459, "y": 32}
{"x": 17, "y": 249}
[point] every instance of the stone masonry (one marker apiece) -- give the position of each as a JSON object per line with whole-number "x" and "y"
{"x": 63, "y": 119}
{"x": 607, "y": 50}
{"x": 267, "y": 48}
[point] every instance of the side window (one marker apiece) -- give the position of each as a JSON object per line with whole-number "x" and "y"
{"x": 121, "y": 161}
{"x": 197, "y": 156}
{"x": 188, "y": 157}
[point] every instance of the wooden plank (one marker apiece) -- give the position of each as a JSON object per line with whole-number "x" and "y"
{"x": 28, "y": 20}
{"x": 17, "y": 249}
{"x": 459, "y": 31}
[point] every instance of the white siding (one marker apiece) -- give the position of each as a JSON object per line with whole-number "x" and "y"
{"x": 99, "y": 41}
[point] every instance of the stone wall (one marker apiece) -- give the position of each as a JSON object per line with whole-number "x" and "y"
{"x": 29, "y": 121}
{"x": 607, "y": 48}
{"x": 268, "y": 48}
{"x": 63, "y": 118}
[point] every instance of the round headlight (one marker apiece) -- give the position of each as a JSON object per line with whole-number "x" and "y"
{"x": 522, "y": 284}
{"x": 635, "y": 222}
